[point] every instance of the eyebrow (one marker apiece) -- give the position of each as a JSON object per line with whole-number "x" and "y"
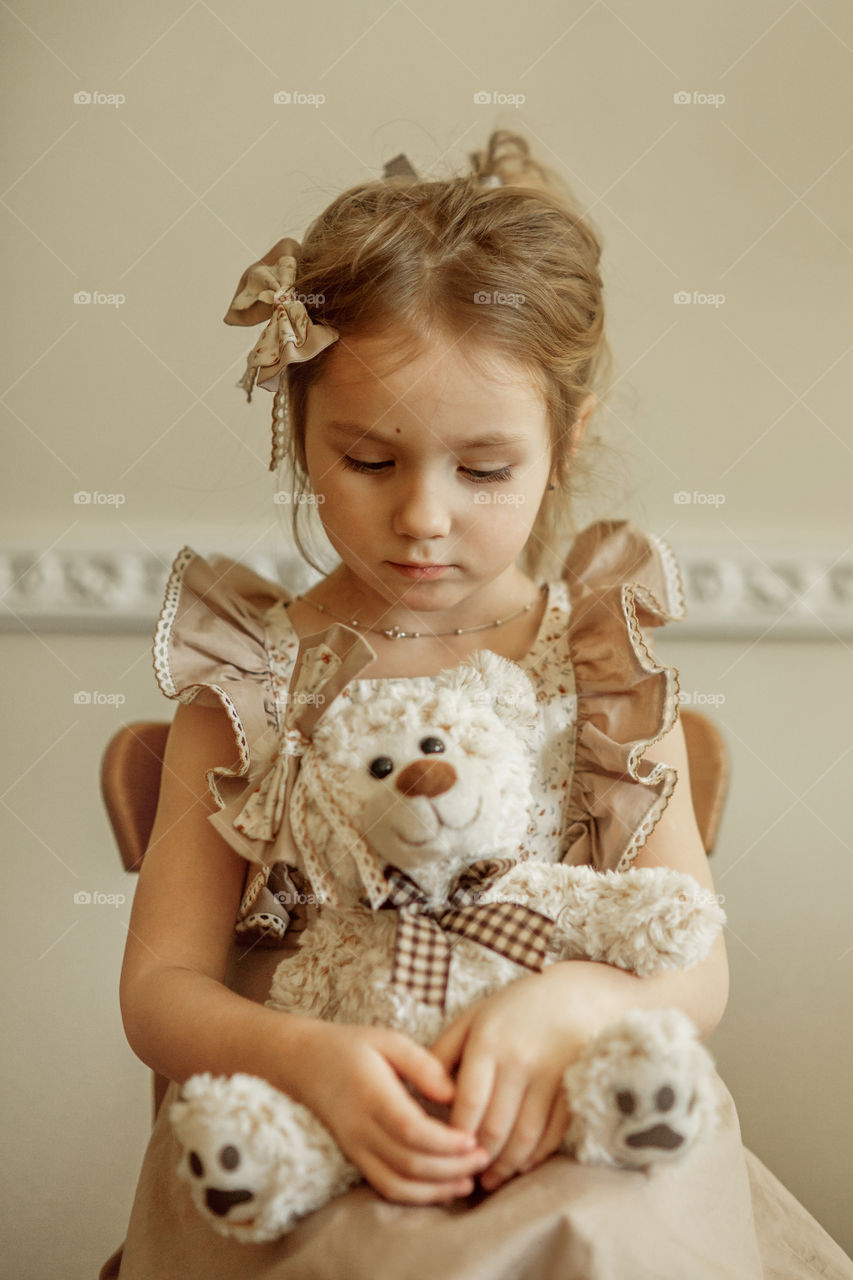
{"x": 482, "y": 442}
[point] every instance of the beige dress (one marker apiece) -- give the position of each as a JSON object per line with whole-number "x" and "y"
{"x": 225, "y": 637}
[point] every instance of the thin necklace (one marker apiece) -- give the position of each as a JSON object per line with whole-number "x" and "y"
{"x": 396, "y": 633}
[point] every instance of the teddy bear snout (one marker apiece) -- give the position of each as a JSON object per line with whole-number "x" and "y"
{"x": 426, "y": 778}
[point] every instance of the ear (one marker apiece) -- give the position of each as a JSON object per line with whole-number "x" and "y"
{"x": 580, "y": 423}
{"x": 504, "y": 686}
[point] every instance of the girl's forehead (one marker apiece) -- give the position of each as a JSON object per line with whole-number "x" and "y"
{"x": 375, "y": 368}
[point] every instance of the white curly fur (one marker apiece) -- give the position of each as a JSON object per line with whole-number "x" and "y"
{"x": 242, "y": 1136}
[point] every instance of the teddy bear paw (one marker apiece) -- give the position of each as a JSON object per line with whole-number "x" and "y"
{"x": 642, "y": 1092}
{"x": 255, "y": 1161}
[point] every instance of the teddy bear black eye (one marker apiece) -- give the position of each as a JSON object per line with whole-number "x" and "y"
{"x": 430, "y": 745}
{"x": 229, "y": 1157}
{"x": 196, "y": 1164}
{"x": 381, "y": 767}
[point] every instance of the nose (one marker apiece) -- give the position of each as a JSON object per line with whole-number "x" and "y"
{"x": 426, "y": 778}
{"x": 421, "y": 510}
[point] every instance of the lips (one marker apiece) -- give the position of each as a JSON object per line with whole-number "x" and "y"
{"x": 419, "y": 570}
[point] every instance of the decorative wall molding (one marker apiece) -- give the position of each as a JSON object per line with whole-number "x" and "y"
{"x": 761, "y": 592}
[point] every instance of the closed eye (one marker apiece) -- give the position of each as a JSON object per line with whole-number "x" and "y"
{"x": 354, "y": 465}
{"x": 483, "y": 477}
{"x": 476, "y": 477}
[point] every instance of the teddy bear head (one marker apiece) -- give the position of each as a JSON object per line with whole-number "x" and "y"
{"x": 425, "y": 774}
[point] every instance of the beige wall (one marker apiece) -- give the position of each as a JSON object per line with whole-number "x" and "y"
{"x": 165, "y": 198}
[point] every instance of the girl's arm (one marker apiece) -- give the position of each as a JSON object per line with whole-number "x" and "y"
{"x": 180, "y": 1018}
{"x": 512, "y": 1048}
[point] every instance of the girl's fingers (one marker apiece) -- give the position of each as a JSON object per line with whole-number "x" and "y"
{"x": 416, "y": 1166}
{"x": 524, "y": 1150}
{"x": 448, "y": 1046}
{"x": 421, "y": 1068}
{"x": 406, "y": 1191}
{"x": 555, "y": 1132}
{"x": 473, "y": 1092}
{"x": 502, "y": 1115}
{"x": 400, "y": 1117}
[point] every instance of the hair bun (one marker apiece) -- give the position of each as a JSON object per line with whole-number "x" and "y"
{"x": 507, "y": 159}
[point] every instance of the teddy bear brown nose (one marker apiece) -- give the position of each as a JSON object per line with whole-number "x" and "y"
{"x": 426, "y": 778}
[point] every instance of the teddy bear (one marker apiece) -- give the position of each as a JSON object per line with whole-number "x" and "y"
{"x": 408, "y": 811}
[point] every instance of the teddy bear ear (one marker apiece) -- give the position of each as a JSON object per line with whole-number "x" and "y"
{"x": 504, "y": 685}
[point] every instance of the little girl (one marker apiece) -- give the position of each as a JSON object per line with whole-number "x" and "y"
{"x": 436, "y": 350}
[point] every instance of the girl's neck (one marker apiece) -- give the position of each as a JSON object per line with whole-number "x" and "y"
{"x": 432, "y": 652}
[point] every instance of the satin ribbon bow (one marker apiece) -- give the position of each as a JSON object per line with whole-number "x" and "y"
{"x": 267, "y": 291}
{"x": 422, "y": 948}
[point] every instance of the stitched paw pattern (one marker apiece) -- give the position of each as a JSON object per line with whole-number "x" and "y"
{"x": 642, "y": 1091}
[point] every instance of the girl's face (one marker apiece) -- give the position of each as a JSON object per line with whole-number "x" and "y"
{"x": 433, "y": 464}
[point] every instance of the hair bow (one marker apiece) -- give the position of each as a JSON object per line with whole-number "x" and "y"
{"x": 267, "y": 291}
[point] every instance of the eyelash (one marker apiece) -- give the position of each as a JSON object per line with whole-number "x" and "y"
{"x": 476, "y": 477}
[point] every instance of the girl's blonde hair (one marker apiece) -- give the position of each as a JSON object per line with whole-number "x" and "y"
{"x": 406, "y": 258}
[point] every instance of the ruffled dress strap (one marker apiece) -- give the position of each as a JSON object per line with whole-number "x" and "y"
{"x": 209, "y": 648}
{"x": 620, "y": 579}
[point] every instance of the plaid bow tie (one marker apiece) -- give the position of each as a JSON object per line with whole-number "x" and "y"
{"x": 422, "y": 948}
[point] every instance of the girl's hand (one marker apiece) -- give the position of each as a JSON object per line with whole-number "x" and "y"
{"x": 356, "y": 1088}
{"x": 512, "y": 1049}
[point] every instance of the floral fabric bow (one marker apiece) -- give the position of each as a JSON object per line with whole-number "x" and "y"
{"x": 422, "y": 948}
{"x": 267, "y": 291}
